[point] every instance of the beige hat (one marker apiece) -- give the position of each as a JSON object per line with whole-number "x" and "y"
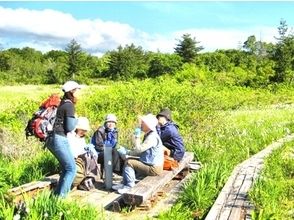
{"x": 83, "y": 124}
{"x": 111, "y": 117}
{"x": 70, "y": 85}
{"x": 150, "y": 120}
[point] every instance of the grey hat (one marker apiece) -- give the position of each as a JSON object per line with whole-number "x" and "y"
{"x": 165, "y": 113}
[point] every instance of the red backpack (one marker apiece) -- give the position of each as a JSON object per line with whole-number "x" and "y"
{"x": 41, "y": 124}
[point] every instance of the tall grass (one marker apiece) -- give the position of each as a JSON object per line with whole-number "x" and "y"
{"x": 47, "y": 206}
{"x": 273, "y": 193}
{"x": 221, "y": 125}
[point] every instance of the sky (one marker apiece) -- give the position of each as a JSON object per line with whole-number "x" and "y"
{"x": 101, "y": 26}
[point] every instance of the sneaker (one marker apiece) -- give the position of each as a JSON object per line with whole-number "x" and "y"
{"x": 84, "y": 187}
{"x": 90, "y": 184}
{"x": 117, "y": 186}
{"x": 123, "y": 190}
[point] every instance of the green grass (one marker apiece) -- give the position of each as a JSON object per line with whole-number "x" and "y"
{"x": 273, "y": 193}
{"x": 222, "y": 126}
{"x": 47, "y": 206}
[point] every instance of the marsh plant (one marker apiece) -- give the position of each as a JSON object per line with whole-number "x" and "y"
{"x": 221, "y": 125}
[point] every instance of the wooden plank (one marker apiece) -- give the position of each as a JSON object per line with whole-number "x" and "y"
{"x": 32, "y": 188}
{"x": 97, "y": 198}
{"x": 229, "y": 202}
{"x": 241, "y": 206}
{"x": 171, "y": 192}
{"x": 148, "y": 187}
{"x": 237, "y": 211}
{"x": 222, "y": 197}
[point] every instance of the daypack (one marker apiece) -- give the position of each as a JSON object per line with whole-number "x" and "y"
{"x": 41, "y": 124}
{"x": 88, "y": 171}
{"x": 170, "y": 163}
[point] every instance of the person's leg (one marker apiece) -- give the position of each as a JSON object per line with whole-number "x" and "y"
{"x": 61, "y": 150}
{"x": 80, "y": 174}
{"x": 132, "y": 166}
{"x": 117, "y": 162}
{"x": 101, "y": 162}
{"x": 129, "y": 176}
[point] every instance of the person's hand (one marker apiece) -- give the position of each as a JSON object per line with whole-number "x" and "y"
{"x": 166, "y": 151}
{"x": 122, "y": 150}
{"x": 137, "y": 132}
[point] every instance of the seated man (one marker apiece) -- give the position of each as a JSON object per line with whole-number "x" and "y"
{"x": 169, "y": 134}
{"x": 107, "y": 134}
{"x": 84, "y": 154}
{"x": 149, "y": 152}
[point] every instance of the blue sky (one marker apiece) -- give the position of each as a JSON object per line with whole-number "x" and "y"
{"x": 100, "y": 26}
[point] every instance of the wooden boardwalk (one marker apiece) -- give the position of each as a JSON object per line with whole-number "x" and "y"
{"x": 150, "y": 185}
{"x": 232, "y": 202}
{"x": 146, "y": 189}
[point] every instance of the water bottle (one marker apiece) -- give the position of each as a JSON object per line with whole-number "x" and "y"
{"x": 108, "y": 165}
{"x": 137, "y": 132}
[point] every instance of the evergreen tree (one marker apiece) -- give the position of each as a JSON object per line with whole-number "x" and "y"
{"x": 127, "y": 63}
{"x": 283, "y": 55}
{"x": 187, "y": 48}
{"x": 250, "y": 44}
{"x": 74, "y": 51}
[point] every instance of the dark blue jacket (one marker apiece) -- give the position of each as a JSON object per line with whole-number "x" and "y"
{"x": 104, "y": 136}
{"x": 172, "y": 140}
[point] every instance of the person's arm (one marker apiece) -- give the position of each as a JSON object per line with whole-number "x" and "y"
{"x": 70, "y": 121}
{"x": 99, "y": 140}
{"x": 177, "y": 142}
{"x": 166, "y": 134}
{"x": 70, "y": 124}
{"x": 158, "y": 130}
{"x": 149, "y": 142}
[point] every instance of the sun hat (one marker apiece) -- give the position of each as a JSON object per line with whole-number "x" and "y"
{"x": 165, "y": 113}
{"x": 150, "y": 120}
{"x": 83, "y": 124}
{"x": 111, "y": 118}
{"x": 70, "y": 85}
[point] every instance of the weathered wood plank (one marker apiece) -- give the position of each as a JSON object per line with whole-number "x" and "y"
{"x": 219, "y": 202}
{"x": 232, "y": 202}
{"x": 233, "y": 194}
{"x": 237, "y": 211}
{"x": 32, "y": 188}
{"x": 95, "y": 197}
{"x": 148, "y": 187}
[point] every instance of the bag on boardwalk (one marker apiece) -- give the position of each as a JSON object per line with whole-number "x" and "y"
{"x": 41, "y": 124}
{"x": 88, "y": 171}
{"x": 169, "y": 163}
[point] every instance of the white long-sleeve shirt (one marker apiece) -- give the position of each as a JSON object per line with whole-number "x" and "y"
{"x": 77, "y": 144}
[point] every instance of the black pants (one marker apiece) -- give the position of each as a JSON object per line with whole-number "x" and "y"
{"x": 116, "y": 161}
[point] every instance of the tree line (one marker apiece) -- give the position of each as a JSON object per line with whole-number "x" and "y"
{"x": 256, "y": 63}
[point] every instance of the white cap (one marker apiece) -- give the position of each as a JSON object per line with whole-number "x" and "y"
{"x": 150, "y": 120}
{"x": 83, "y": 124}
{"x": 110, "y": 117}
{"x": 70, "y": 85}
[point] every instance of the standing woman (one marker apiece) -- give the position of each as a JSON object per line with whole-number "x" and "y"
{"x": 65, "y": 122}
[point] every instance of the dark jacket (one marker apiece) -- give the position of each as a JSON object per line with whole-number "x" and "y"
{"x": 172, "y": 140}
{"x": 104, "y": 136}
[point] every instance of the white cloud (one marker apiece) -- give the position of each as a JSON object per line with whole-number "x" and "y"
{"x": 48, "y": 29}
{"x": 212, "y": 39}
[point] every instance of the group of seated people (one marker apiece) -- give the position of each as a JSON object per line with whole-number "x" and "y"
{"x": 160, "y": 137}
